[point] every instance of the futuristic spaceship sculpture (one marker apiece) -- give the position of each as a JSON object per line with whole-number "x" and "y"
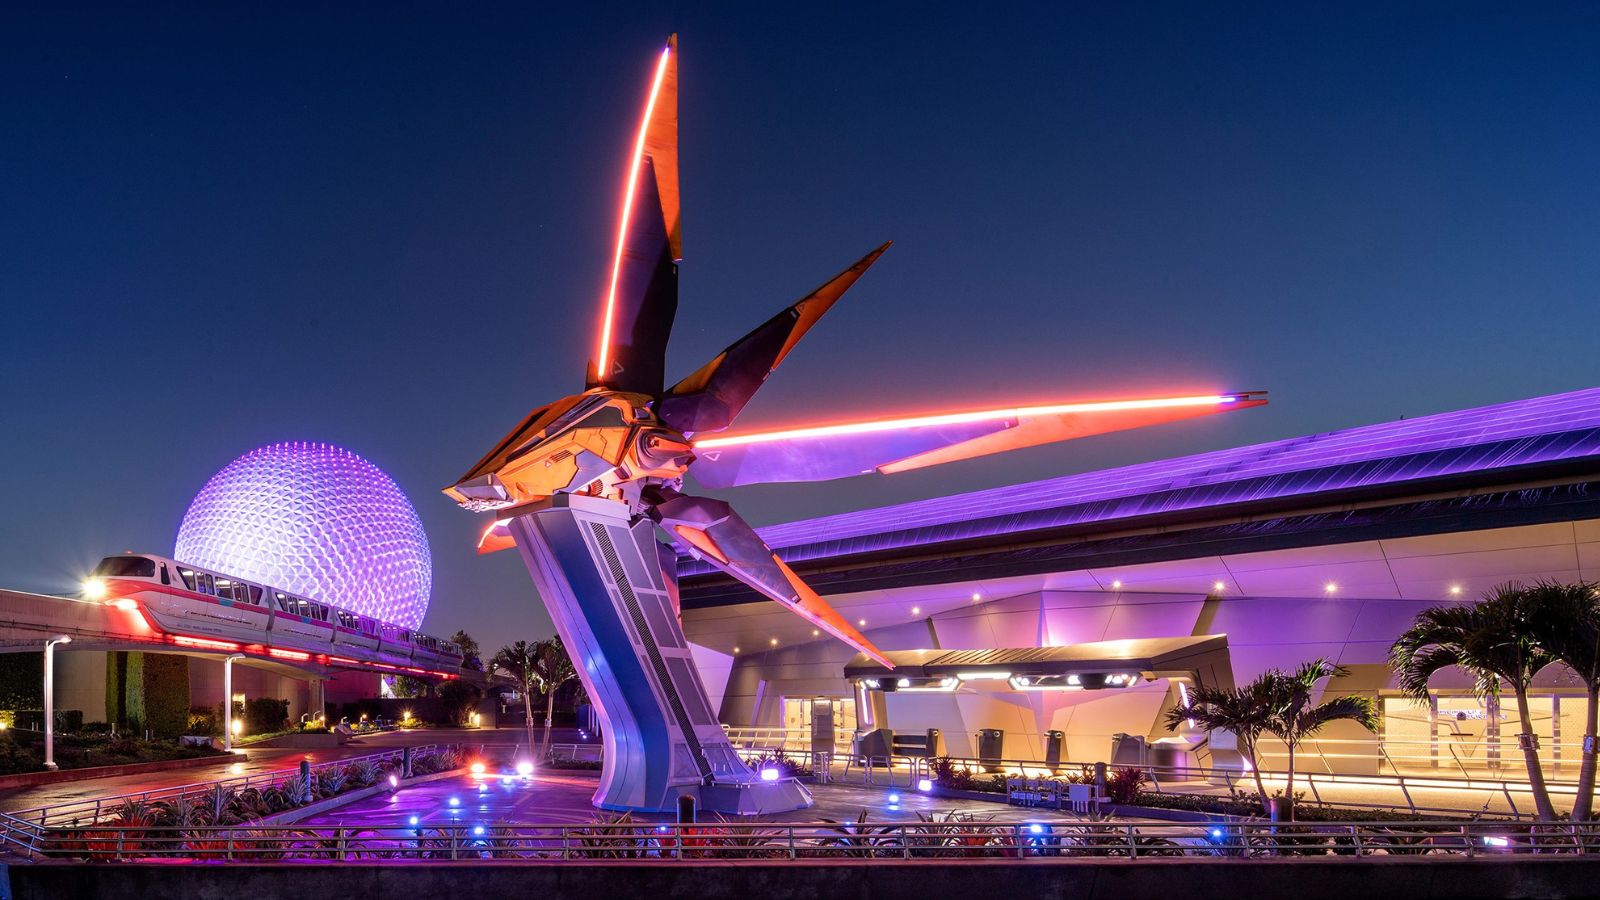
{"x": 580, "y": 486}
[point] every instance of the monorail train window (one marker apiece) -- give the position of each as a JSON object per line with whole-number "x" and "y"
{"x": 368, "y": 627}
{"x": 254, "y": 593}
{"x": 206, "y": 586}
{"x": 285, "y": 603}
{"x": 316, "y": 611}
{"x": 347, "y": 620}
{"x": 225, "y": 588}
{"x": 165, "y": 578}
{"x": 188, "y": 578}
{"x": 126, "y": 567}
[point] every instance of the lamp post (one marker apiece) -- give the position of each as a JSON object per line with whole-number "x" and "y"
{"x": 50, "y": 698}
{"x": 227, "y": 701}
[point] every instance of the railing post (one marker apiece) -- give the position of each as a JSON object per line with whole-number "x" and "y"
{"x": 455, "y": 842}
{"x": 791, "y": 842}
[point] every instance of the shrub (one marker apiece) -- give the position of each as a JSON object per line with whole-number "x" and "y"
{"x": 263, "y": 715}
{"x": 204, "y": 720}
{"x": 947, "y": 774}
{"x": 363, "y": 773}
{"x": 458, "y": 698}
{"x": 163, "y": 705}
{"x": 786, "y": 766}
{"x": 1122, "y": 785}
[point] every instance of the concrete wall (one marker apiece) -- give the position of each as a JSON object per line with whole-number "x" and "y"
{"x": 1262, "y": 632}
{"x": 81, "y": 682}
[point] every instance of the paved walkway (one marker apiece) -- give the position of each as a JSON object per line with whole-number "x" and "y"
{"x": 266, "y": 759}
{"x": 564, "y": 797}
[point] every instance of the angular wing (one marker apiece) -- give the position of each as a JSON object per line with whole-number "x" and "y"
{"x": 714, "y": 532}
{"x": 825, "y": 452}
{"x": 642, "y": 298}
{"x": 710, "y": 397}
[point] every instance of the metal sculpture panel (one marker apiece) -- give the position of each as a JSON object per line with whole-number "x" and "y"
{"x": 581, "y": 485}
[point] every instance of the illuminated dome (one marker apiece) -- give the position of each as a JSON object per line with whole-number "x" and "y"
{"x": 316, "y": 520}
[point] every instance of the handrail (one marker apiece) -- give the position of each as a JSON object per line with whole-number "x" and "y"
{"x": 769, "y": 842}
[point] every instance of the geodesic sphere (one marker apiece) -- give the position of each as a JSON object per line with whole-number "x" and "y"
{"x": 317, "y": 521}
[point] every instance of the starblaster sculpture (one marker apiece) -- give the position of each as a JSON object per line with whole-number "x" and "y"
{"x": 581, "y": 486}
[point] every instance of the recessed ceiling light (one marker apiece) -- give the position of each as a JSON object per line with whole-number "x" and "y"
{"x": 773, "y": 642}
{"x": 1455, "y": 590}
{"x": 816, "y": 633}
{"x": 1329, "y": 588}
{"x": 1116, "y": 585}
{"x": 862, "y": 623}
{"x": 1219, "y": 587}
{"x": 916, "y": 610}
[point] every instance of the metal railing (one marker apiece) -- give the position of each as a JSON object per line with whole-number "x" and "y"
{"x": 928, "y": 840}
{"x": 1407, "y": 793}
{"x": 93, "y": 809}
{"x": 574, "y": 752}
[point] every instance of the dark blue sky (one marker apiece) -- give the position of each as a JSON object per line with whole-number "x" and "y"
{"x": 388, "y": 229}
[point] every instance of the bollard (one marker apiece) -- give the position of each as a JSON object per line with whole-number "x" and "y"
{"x": 405, "y": 763}
{"x": 1100, "y": 778}
{"x": 305, "y": 781}
{"x": 686, "y": 809}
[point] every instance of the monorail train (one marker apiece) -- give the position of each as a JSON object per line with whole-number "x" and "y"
{"x": 201, "y": 608}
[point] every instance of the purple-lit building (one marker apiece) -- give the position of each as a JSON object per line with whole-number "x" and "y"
{"x": 1320, "y": 546}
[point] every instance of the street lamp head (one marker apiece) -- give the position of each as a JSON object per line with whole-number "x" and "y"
{"x": 61, "y": 639}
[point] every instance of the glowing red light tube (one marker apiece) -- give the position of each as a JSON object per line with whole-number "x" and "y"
{"x": 1015, "y": 412}
{"x": 602, "y": 358}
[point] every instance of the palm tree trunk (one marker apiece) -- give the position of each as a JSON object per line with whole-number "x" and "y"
{"x": 549, "y": 709}
{"x": 1288, "y": 787}
{"x": 1255, "y": 772}
{"x": 527, "y": 713}
{"x": 1530, "y": 754}
{"x": 1583, "y": 805}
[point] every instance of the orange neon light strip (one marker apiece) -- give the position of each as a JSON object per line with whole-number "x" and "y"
{"x": 1016, "y": 412}
{"x": 202, "y": 642}
{"x": 603, "y": 361}
{"x": 288, "y": 654}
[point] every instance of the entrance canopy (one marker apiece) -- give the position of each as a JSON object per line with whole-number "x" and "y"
{"x": 1092, "y": 666}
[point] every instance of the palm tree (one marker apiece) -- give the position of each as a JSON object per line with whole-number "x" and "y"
{"x": 1244, "y": 712}
{"x": 1495, "y": 643}
{"x": 520, "y": 661}
{"x": 1566, "y": 623}
{"x": 1294, "y": 717}
{"x": 471, "y": 657}
{"x": 552, "y": 668}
